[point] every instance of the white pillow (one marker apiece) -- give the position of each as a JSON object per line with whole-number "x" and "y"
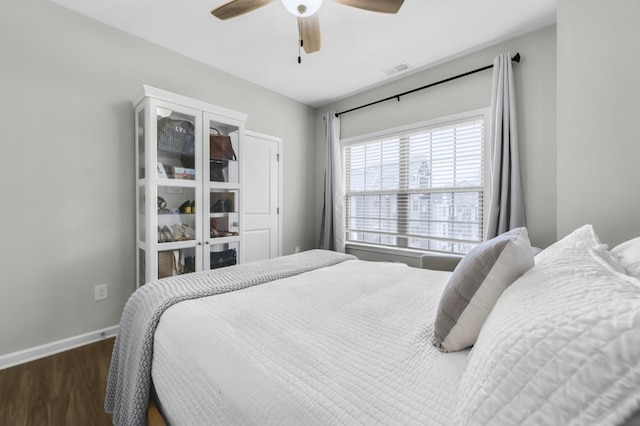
{"x": 561, "y": 346}
{"x": 628, "y": 254}
{"x": 584, "y": 235}
{"x": 475, "y": 285}
{"x": 602, "y": 252}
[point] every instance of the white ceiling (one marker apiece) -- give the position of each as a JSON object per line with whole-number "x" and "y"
{"x": 261, "y": 46}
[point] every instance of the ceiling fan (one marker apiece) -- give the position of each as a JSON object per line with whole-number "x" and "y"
{"x": 305, "y": 11}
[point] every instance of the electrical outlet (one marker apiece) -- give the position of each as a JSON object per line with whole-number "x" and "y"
{"x": 296, "y": 249}
{"x": 101, "y": 292}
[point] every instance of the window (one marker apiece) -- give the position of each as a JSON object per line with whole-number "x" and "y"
{"x": 418, "y": 188}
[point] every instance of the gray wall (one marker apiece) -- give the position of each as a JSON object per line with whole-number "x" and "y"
{"x": 66, "y": 130}
{"x": 535, "y": 79}
{"x": 598, "y": 109}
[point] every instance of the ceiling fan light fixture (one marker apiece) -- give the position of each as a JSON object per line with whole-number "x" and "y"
{"x": 302, "y": 8}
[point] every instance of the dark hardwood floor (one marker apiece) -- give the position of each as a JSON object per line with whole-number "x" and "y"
{"x": 63, "y": 389}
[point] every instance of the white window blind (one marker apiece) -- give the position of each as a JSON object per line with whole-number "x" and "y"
{"x": 422, "y": 189}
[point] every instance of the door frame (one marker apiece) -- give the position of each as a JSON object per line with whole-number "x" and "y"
{"x": 277, "y": 140}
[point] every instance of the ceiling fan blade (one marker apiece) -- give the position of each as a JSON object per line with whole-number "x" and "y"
{"x": 238, "y": 7}
{"x": 309, "y": 29}
{"x": 383, "y": 6}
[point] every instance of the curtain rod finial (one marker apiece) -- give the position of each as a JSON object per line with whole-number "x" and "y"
{"x": 516, "y": 58}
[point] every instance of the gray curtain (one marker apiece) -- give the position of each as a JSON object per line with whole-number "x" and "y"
{"x": 332, "y": 227}
{"x": 506, "y": 209}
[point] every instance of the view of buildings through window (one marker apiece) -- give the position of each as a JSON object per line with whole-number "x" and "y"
{"x": 421, "y": 190}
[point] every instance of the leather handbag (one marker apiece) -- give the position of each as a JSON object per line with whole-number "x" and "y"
{"x": 220, "y": 146}
{"x": 218, "y": 259}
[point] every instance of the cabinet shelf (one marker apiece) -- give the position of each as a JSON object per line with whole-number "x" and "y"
{"x": 176, "y": 245}
{"x": 223, "y": 240}
{"x": 224, "y": 185}
{"x": 217, "y": 160}
{"x": 221, "y": 214}
{"x": 185, "y": 183}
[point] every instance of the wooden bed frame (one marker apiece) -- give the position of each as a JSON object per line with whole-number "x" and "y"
{"x": 154, "y": 418}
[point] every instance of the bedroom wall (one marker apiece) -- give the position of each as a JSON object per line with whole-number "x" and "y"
{"x": 598, "y": 108}
{"x": 535, "y": 79}
{"x": 67, "y": 150}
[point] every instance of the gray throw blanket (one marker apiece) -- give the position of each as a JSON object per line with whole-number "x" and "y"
{"x": 129, "y": 378}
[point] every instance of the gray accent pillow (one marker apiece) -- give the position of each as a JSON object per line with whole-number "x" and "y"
{"x": 475, "y": 286}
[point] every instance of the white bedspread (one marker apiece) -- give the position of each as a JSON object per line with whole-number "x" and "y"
{"x": 350, "y": 343}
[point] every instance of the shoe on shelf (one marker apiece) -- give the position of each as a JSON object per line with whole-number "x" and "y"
{"x": 188, "y": 232}
{"x": 185, "y": 207}
{"x": 168, "y": 237}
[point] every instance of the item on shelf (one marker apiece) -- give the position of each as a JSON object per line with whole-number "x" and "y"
{"x": 162, "y": 173}
{"x": 162, "y": 205}
{"x": 178, "y": 172}
{"x": 188, "y": 160}
{"x": 220, "y": 146}
{"x": 189, "y": 264}
{"x": 189, "y": 174}
{"x": 222, "y": 205}
{"x": 187, "y": 207}
{"x": 182, "y": 232}
{"x": 168, "y": 263}
{"x": 168, "y": 169}
{"x": 219, "y": 227}
{"x": 218, "y": 259}
{"x": 174, "y": 262}
{"x": 175, "y": 136}
{"x": 217, "y": 169}
{"x": 218, "y": 207}
{"x": 165, "y": 235}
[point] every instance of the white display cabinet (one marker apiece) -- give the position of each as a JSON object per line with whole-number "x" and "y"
{"x": 188, "y": 188}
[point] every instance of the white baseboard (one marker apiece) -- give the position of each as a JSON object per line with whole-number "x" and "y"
{"x": 31, "y": 354}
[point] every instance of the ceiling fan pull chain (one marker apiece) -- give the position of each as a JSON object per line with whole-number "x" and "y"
{"x": 300, "y": 45}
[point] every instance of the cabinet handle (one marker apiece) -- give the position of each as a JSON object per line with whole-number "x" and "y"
{"x": 199, "y": 243}
{"x": 235, "y": 224}
{"x": 206, "y": 242}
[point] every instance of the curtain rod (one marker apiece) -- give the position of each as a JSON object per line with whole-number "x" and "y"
{"x": 516, "y": 58}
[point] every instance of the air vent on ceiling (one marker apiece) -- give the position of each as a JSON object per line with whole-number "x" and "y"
{"x": 397, "y": 68}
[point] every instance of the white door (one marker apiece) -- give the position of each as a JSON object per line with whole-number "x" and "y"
{"x": 261, "y": 185}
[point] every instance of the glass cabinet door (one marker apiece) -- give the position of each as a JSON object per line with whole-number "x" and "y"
{"x": 222, "y": 193}
{"x": 178, "y": 194}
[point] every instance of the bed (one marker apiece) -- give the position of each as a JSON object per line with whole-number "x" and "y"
{"x": 324, "y": 338}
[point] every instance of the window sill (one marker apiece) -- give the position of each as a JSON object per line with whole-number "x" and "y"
{"x": 416, "y": 254}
